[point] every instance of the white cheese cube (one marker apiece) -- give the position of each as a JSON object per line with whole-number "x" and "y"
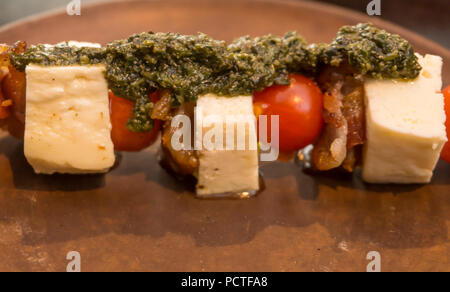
{"x": 68, "y": 128}
{"x": 230, "y": 165}
{"x": 74, "y": 44}
{"x": 405, "y": 126}
{"x": 83, "y": 44}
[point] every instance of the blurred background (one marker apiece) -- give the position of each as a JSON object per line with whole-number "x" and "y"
{"x": 427, "y": 17}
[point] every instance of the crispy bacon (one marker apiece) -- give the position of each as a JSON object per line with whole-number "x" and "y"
{"x": 13, "y": 89}
{"x": 353, "y": 110}
{"x": 162, "y": 108}
{"x": 344, "y": 133}
{"x": 182, "y": 162}
{"x": 5, "y": 111}
{"x": 331, "y": 148}
{"x": 4, "y": 55}
{"x": 5, "y": 104}
{"x": 352, "y": 159}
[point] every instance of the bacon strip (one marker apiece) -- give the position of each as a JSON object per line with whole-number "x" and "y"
{"x": 182, "y": 162}
{"x": 162, "y": 108}
{"x": 13, "y": 90}
{"x": 354, "y": 113}
{"x": 344, "y": 116}
{"x": 331, "y": 149}
{"x": 4, "y": 63}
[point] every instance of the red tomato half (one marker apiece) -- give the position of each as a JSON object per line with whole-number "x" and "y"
{"x": 124, "y": 139}
{"x": 446, "y": 151}
{"x": 299, "y": 107}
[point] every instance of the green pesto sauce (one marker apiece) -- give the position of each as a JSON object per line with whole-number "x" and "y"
{"x": 190, "y": 66}
{"x": 372, "y": 52}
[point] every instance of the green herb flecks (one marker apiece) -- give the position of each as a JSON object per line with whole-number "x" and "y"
{"x": 190, "y": 66}
{"x": 59, "y": 55}
{"x": 141, "y": 122}
{"x": 372, "y": 52}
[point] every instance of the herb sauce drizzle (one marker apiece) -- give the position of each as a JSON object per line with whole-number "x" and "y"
{"x": 190, "y": 66}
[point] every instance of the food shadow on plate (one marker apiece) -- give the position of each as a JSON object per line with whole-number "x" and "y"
{"x": 155, "y": 170}
{"x": 392, "y": 216}
{"x": 341, "y": 178}
{"x": 442, "y": 174}
{"x": 309, "y": 181}
{"x": 157, "y": 205}
{"x": 24, "y": 177}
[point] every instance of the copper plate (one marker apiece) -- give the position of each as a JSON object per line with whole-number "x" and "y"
{"x": 139, "y": 218}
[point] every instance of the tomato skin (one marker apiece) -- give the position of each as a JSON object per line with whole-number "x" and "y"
{"x": 445, "y": 154}
{"x": 299, "y": 106}
{"x": 125, "y": 140}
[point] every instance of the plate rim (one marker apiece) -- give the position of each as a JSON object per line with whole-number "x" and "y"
{"x": 332, "y": 8}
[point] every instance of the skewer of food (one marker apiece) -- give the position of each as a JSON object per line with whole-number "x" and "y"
{"x": 364, "y": 100}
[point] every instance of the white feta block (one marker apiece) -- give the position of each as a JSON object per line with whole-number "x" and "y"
{"x": 405, "y": 126}
{"x": 230, "y": 163}
{"x": 68, "y": 128}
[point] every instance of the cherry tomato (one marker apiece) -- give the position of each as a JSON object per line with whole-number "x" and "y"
{"x": 124, "y": 139}
{"x": 299, "y": 107}
{"x": 446, "y": 151}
